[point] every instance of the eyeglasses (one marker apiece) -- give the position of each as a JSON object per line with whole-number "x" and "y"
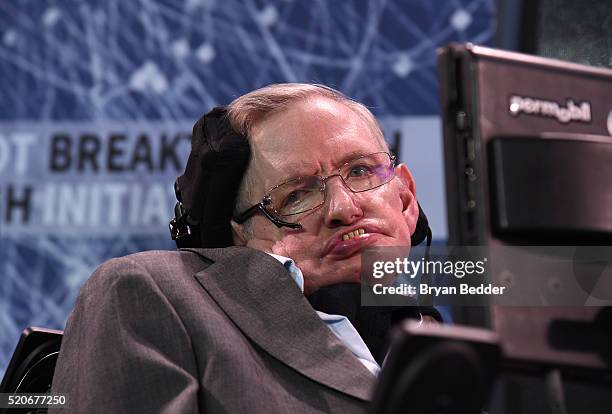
{"x": 284, "y": 202}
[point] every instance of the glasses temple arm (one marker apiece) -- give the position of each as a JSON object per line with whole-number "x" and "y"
{"x": 241, "y": 218}
{"x": 278, "y": 222}
{"x": 244, "y": 216}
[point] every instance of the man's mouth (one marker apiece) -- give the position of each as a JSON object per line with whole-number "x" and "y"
{"x": 347, "y": 244}
{"x": 353, "y": 233}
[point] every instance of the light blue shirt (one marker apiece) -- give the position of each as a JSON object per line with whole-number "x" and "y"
{"x": 338, "y": 324}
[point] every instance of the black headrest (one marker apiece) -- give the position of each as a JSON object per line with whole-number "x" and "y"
{"x": 207, "y": 190}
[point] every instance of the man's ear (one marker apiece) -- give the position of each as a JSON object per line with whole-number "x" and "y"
{"x": 238, "y": 234}
{"x": 410, "y": 207}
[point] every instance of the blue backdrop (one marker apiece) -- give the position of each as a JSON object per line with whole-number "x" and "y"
{"x": 97, "y": 100}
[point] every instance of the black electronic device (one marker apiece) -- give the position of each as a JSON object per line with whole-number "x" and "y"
{"x": 528, "y": 155}
{"x": 441, "y": 369}
{"x": 32, "y": 365}
{"x": 518, "y": 123}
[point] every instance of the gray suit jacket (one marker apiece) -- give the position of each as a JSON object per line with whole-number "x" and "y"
{"x": 203, "y": 330}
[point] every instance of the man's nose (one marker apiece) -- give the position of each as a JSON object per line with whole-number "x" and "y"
{"x": 341, "y": 207}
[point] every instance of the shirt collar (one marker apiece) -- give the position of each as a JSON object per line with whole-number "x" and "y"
{"x": 294, "y": 271}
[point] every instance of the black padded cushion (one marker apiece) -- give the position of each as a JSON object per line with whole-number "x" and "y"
{"x": 209, "y": 186}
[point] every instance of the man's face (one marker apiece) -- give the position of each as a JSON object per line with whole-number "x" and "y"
{"x": 315, "y": 137}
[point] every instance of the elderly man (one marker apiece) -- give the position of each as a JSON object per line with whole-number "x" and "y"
{"x": 298, "y": 178}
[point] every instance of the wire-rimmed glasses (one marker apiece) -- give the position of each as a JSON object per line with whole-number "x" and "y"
{"x": 286, "y": 201}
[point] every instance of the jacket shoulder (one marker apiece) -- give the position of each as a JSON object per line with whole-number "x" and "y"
{"x": 154, "y": 266}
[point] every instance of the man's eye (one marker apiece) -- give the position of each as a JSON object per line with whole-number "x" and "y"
{"x": 293, "y": 198}
{"x": 360, "y": 171}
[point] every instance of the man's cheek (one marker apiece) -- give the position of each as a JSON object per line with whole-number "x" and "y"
{"x": 281, "y": 249}
{"x": 352, "y": 269}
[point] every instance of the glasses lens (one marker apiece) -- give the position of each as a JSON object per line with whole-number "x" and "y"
{"x": 368, "y": 172}
{"x": 298, "y": 195}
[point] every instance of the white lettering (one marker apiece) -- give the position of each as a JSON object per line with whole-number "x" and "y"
{"x": 4, "y": 152}
{"x": 489, "y": 289}
{"x": 71, "y": 205}
{"x": 155, "y": 205}
{"x": 377, "y": 270}
{"x": 564, "y": 114}
{"x": 48, "y": 204}
{"x": 91, "y": 205}
{"x": 114, "y": 192}
{"x": 95, "y": 206}
{"x": 22, "y": 142}
{"x": 403, "y": 289}
{"x": 425, "y": 289}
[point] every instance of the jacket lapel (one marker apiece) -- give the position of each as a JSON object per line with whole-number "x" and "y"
{"x": 259, "y": 295}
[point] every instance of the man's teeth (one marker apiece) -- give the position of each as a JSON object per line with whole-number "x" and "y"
{"x": 352, "y": 234}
